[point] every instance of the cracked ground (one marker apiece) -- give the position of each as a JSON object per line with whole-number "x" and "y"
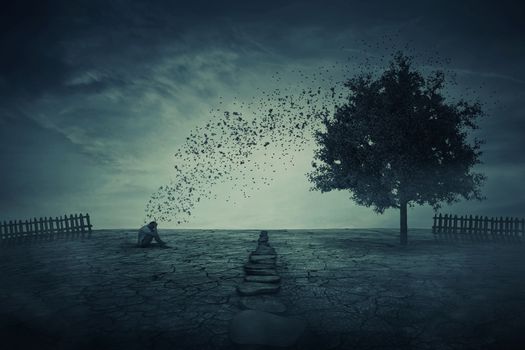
{"x": 356, "y": 289}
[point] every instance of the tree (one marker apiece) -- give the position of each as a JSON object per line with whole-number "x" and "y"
{"x": 396, "y": 142}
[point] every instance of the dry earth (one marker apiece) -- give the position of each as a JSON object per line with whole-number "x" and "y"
{"x": 356, "y": 289}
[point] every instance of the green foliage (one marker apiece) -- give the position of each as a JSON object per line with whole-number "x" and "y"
{"x": 397, "y": 141}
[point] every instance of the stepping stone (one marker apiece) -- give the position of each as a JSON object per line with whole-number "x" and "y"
{"x": 264, "y": 232}
{"x": 252, "y": 266}
{"x": 263, "y": 239}
{"x": 263, "y": 279}
{"x": 255, "y": 288}
{"x": 261, "y": 257}
{"x": 264, "y": 250}
{"x": 252, "y": 327}
{"x": 267, "y": 272}
{"x": 265, "y": 303}
{"x": 263, "y": 262}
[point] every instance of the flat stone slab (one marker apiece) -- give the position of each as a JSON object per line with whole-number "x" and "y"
{"x": 263, "y": 262}
{"x": 265, "y": 303}
{"x": 263, "y": 279}
{"x": 264, "y": 250}
{"x": 252, "y": 327}
{"x": 263, "y": 257}
{"x": 255, "y": 288}
{"x": 252, "y": 266}
{"x": 266, "y": 272}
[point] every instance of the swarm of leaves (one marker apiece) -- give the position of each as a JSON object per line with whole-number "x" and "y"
{"x": 273, "y": 125}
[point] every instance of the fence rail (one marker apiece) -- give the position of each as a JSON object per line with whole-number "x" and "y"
{"x": 77, "y": 223}
{"x": 479, "y": 227}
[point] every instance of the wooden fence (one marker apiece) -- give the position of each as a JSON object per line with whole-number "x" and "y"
{"x": 480, "y": 227}
{"x": 34, "y": 228}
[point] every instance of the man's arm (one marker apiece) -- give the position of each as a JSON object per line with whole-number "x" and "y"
{"x": 157, "y": 237}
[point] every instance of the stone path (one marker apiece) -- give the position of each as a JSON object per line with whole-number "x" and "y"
{"x": 259, "y": 325}
{"x": 356, "y": 289}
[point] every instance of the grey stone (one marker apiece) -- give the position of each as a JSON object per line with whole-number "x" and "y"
{"x": 252, "y": 266}
{"x": 265, "y": 303}
{"x": 266, "y": 272}
{"x": 252, "y": 327}
{"x": 263, "y": 262}
{"x": 262, "y": 257}
{"x": 255, "y": 288}
{"x": 263, "y": 279}
{"x": 264, "y": 250}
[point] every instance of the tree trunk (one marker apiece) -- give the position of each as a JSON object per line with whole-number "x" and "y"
{"x": 403, "y": 232}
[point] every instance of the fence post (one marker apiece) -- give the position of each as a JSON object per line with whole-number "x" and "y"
{"x": 66, "y": 224}
{"x": 495, "y": 230}
{"x": 71, "y": 223}
{"x": 61, "y": 223}
{"x": 77, "y": 224}
{"x": 6, "y": 230}
{"x": 440, "y": 224}
{"x": 476, "y": 227}
{"x": 21, "y": 228}
{"x": 445, "y": 224}
{"x": 434, "y": 231}
{"x": 11, "y": 229}
{"x": 51, "y": 228}
{"x": 82, "y": 228}
{"x": 42, "y": 228}
{"x": 18, "y": 234}
{"x": 88, "y": 223}
{"x": 46, "y": 226}
{"x": 516, "y": 229}
{"x": 57, "y": 225}
{"x": 501, "y": 230}
{"x": 3, "y": 230}
{"x": 35, "y": 227}
{"x": 455, "y": 229}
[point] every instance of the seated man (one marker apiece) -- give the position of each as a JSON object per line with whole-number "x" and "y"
{"x": 147, "y": 233}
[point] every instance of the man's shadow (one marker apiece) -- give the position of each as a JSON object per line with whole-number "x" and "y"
{"x": 154, "y": 246}
{"x": 136, "y": 246}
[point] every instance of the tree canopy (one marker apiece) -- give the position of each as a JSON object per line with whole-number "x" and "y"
{"x": 397, "y": 141}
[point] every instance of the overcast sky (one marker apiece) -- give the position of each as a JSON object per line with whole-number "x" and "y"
{"x": 97, "y": 96}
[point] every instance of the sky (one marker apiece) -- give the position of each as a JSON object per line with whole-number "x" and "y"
{"x": 97, "y": 96}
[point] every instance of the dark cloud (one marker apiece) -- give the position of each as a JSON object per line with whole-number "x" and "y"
{"x": 117, "y": 84}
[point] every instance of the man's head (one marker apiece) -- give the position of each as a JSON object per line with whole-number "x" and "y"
{"x": 152, "y": 225}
